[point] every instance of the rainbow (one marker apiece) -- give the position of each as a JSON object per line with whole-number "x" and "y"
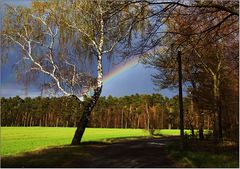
{"x": 120, "y": 69}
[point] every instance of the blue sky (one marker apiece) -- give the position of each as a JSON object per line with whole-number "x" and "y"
{"x": 136, "y": 79}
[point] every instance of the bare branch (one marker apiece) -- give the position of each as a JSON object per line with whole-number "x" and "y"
{"x": 118, "y": 40}
{"x": 74, "y": 72}
{"x": 230, "y": 10}
{"x": 39, "y": 66}
{"x": 17, "y": 42}
{"x": 206, "y": 67}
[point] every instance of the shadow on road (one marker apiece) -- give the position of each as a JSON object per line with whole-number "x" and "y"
{"x": 148, "y": 152}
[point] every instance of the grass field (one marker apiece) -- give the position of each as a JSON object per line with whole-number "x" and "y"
{"x": 16, "y": 140}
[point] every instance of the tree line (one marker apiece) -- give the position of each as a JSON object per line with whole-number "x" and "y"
{"x": 136, "y": 111}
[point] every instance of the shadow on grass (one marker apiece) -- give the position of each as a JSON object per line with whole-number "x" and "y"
{"x": 122, "y": 139}
{"x": 60, "y": 157}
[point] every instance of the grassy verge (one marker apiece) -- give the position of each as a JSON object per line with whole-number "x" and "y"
{"x": 15, "y": 140}
{"x": 205, "y": 154}
{"x": 175, "y": 132}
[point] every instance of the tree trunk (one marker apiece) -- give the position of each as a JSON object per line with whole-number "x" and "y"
{"x": 82, "y": 124}
{"x": 180, "y": 96}
{"x": 108, "y": 116}
{"x": 208, "y": 122}
{"x": 126, "y": 122}
{"x": 162, "y": 119}
{"x": 138, "y": 122}
{"x": 148, "y": 117}
{"x": 192, "y": 131}
{"x": 23, "y": 120}
{"x": 57, "y": 122}
{"x": 130, "y": 116}
{"x": 217, "y": 110}
{"x": 46, "y": 120}
{"x": 201, "y": 126}
{"x": 30, "y": 121}
{"x": 220, "y": 119}
{"x": 169, "y": 126}
{"x": 115, "y": 122}
{"x": 192, "y": 110}
{"x": 91, "y": 102}
{"x": 75, "y": 123}
{"x": 181, "y": 113}
{"x": 122, "y": 119}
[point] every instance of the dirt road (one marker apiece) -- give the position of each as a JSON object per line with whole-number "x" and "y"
{"x": 141, "y": 153}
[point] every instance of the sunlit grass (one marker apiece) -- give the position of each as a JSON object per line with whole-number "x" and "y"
{"x": 16, "y": 140}
{"x": 175, "y": 132}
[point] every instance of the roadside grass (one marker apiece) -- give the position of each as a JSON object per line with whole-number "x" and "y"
{"x": 15, "y": 140}
{"x": 175, "y": 132}
{"x": 204, "y": 154}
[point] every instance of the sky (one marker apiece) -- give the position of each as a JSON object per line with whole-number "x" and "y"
{"x": 124, "y": 79}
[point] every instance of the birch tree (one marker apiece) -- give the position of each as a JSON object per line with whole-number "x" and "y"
{"x": 65, "y": 42}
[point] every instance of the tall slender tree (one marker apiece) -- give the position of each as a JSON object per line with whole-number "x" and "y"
{"x": 65, "y": 42}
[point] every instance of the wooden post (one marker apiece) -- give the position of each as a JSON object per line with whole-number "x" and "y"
{"x": 180, "y": 96}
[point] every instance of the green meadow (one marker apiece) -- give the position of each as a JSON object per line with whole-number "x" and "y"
{"x": 15, "y": 140}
